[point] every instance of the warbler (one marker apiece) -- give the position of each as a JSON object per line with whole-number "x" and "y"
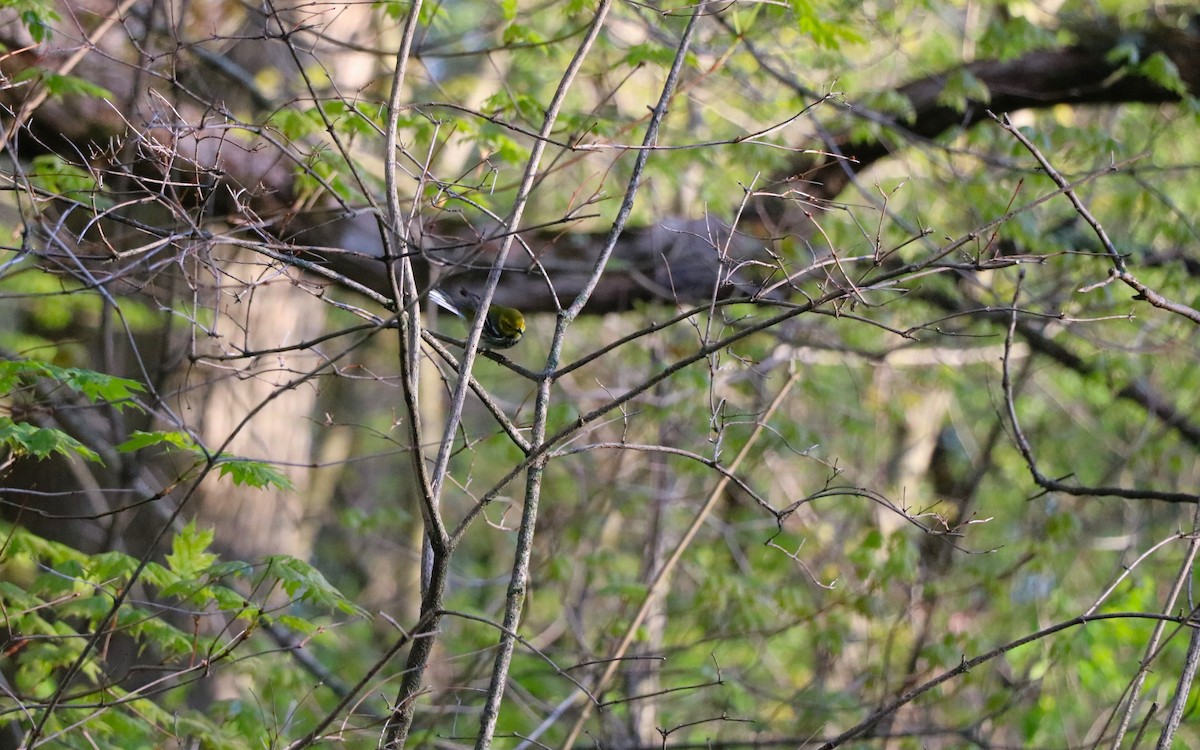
{"x": 503, "y": 327}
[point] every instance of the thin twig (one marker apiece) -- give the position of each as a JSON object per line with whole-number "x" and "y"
{"x": 1182, "y": 691}
{"x": 966, "y": 665}
{"x": 1119, "y": 269}
{"x": 1152, "y": 646}
{"x": 436, "y": 547}
{"x": 1023, "y": 445}
{"x": 519, "y": 578}
{"x": 657, "y": 585}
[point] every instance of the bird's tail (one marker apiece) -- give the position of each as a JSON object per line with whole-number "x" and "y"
{"x": 441, "y": 299}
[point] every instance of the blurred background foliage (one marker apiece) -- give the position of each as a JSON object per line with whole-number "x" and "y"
{"x": 773, "y": 629}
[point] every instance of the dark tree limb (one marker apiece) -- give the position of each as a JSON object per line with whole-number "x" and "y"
{"x": 245, "y": 171}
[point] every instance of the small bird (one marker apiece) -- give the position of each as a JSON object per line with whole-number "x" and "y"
{"x": 503, "y": 327}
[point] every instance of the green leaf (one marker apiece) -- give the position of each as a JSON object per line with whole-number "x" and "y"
{"x": 139, "y": 440}
{"x": 156, "y": 575}
{"x": 10, "y": 376}
{"x": 1160, "y": 69}
{"x": 189, "y": 556}
{"x": 21, "y": 541}
{"x": 23, "y": 438}
{"x": 357, "y": 119}
{"x": 520, "y": 34}
{"x": 37, "y": 18}
{"x": 111, "y": 566}
{"x": 166, "y": 638}
{"x": 296, "y": 125}
{"x": 300, "y": 625}
{"x": 1125, "y": 53}
{"x": 812, "y": 22}
{"x": 65, "y": 85}
{"x": 961, "y": 88}
{"x": 96, "y": 387}
{"x": 1008, "y": 37}
{"x": 499, "y": 147}
{"x": 16, "y": 598}
{"x": 303, "y": 581}
{"x": 258, "y": 474}
{"x": 91, "y": 609}
{"x": 653, "y": 53}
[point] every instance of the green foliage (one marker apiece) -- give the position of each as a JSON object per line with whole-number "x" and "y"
{"x": 1161, "y": 70}
{"x": 63, "y": 85}
{"x": 1007, "y": 37}
{"x": 354, "y": 119}
{"x": 809, "y": 619}
{"x": 52, "y": 305}
{"x": 25, "y": 439}
{"x": 38, "y": 16}
{"x": 497, "y": 146}
{"x": 297, "y": 124}
{"x": 961, "y": 88}
{"x": 257, "y": 474}
{"x": 304, "y": 583}
{"x": 97, "y": 387}
{"x": 189, "y": 553}
{"x": 139, "y": 440}
{"x": 323, "y": 171}
{"x": 51, "y": 614}
{"x": 520, "y": 34}
{"x": 243, "y": 471}
{"x": 812, "y": 19}
{"x": 1158, "y": 68}
{"x": 641, "y": 54}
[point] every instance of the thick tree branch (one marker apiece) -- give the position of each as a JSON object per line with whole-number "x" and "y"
{"x": 1083, "y": 74}
{"x": 247, "y": 171}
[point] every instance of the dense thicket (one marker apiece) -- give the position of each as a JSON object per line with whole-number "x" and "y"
{"x": 856, "y": 403}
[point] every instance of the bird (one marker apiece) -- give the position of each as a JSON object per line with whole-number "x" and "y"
{"x": 503, "y": 327}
